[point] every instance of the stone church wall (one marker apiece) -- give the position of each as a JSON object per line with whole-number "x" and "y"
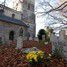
{"x": 5, "y": 29}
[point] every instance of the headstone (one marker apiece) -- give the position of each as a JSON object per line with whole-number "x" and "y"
{"x": 63, "y": 40}
{"x": 54, "y": 41}
{"x": 24, "y": 38}
{"x": 30, "y": 38}
{"x": 19, "y": 42}
{"x": 66, "y": 32}
{"x": 43, "y": 37}
{"x": 65, "y": 51}
{"x": 36, "y": 39}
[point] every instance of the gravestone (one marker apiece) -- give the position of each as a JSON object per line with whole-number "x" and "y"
{"x": 43, "y": 37}
{"x": 19, "y": 42}
{"x": 65, "y": 50}
{"x": 53, "y": 40}
{"x": 66, "y": 32}
{"x": 36, "y": 39}
{"x": 24, "y": 38}
{"x": 30, "y": 38}
{"x": 63, "y": 40}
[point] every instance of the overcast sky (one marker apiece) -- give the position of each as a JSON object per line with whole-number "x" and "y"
{"x": 43, "y": 21}
{"x": 9, "y": 3}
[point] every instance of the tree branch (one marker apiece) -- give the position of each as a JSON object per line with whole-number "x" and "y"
{"x": 58, "y": 18}
{"x": 63, "y": 5}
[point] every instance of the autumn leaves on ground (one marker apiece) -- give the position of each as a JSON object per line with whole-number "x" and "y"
{"x": 11, "y": 57}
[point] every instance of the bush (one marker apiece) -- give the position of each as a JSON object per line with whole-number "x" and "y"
{"x": 40, "y": 33}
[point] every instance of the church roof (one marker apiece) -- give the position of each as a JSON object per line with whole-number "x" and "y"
{"x": 12, "y": 20}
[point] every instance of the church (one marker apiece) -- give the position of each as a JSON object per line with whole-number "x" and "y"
{"x": 13, "y": 23}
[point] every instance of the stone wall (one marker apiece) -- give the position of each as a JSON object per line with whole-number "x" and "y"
{"x": 5, "y": 29}
{"x": 9, "y": 12}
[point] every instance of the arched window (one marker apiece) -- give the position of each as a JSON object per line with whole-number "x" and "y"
{"x": 13, "y": 15}
{"x": 11, "y": 35}
{"x": 21, "y": 32}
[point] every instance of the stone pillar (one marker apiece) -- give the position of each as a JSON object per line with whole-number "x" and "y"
{"x": 19, "y": 42}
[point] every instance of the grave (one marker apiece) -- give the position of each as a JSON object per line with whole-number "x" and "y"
{"x": 30, "y": 38}
{"x": 19, "y": 42}
{"x": 36, "y": 39}
{"x": 53, "y": 40}
{"x": 43, "y": 37}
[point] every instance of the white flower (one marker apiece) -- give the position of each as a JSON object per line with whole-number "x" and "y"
{"x": 50, "y": 55}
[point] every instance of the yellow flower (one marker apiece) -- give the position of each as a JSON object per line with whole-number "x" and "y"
{"x": 40, "y": 53}
{"x": 34, "y": 55}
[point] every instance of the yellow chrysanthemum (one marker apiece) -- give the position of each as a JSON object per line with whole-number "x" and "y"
{"x": 35, "y": 58}
{"x": 40, "y": 53}
{"x": 34, "y": 55}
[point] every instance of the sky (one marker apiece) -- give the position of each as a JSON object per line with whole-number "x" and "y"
{"x": 9, "y": 3}
{"x": 40, "y": 21}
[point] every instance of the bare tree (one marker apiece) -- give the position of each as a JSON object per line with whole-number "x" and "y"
{"x": 56, "y": 14}
{"x": 5, "y": 3}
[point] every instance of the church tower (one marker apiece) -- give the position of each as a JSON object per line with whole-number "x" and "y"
{"x": 28, "y": 15}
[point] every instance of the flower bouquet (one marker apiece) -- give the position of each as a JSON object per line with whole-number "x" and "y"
{"x": 35, "y": 57}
